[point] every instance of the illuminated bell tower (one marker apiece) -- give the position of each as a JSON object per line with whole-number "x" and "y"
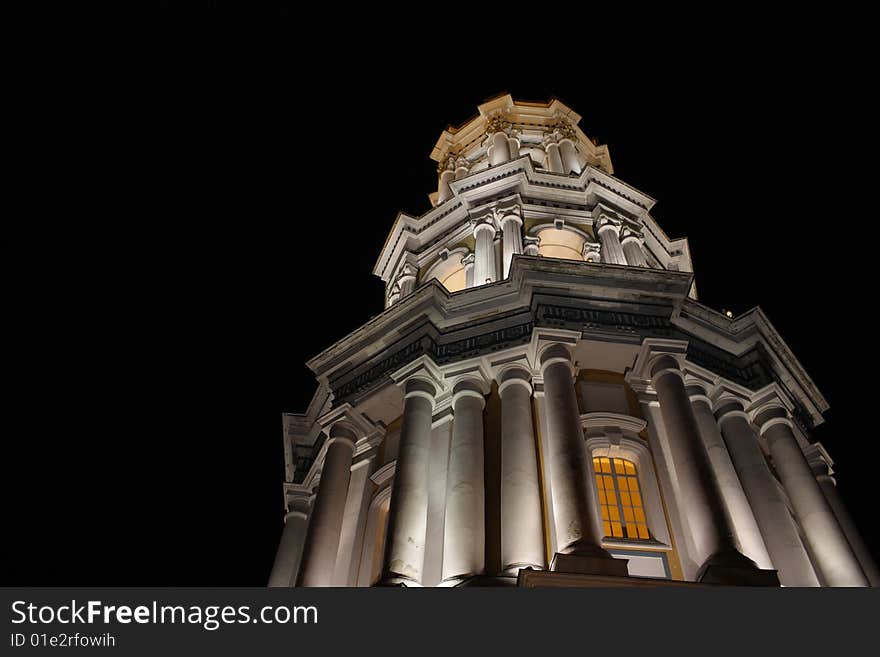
{"x": 544, "y": 402}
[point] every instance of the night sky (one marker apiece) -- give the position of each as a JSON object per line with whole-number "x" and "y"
{"x": 212, "y": 215}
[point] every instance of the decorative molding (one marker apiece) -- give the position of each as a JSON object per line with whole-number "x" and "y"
{"x": 384, "y": 475}
{"x": 587, "y": 318}
{"x": 602, "y": 419}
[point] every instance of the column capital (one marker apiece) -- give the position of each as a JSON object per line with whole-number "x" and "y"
{"x": 819, "y": 461}
{"x": 556, "y": 352}
{"x": 344, "y": 432}
{"x": 483, "y": 219}
{"x": 483, "y": 224}
{"x": 698, "y": 391}
{"x": 770, "y": 406}
{"x": 407, "y": 271}
{"x": 508, "y": 212}
{"x": 606, "y": 220}
{"x": 447, "y": 163}
{"x": 297, "y": 500}
{"x": 469, "y": 387}
{"x": 468, "y": 379}
{"x": 728, "y": 406}
{"x": 498, "y": 123}
{"x": 629, "y": 233}
{"x": 666, "y": 364}
{"x": 420, "y": 377}
{"x": 656, "y": 354}
{"x": 542, "y": 338}
{"x": 344, "y": 423}
{"x": 514, "y": 375}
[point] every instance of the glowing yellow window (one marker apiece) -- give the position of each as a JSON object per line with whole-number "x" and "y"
{"x": 620, "y": 500}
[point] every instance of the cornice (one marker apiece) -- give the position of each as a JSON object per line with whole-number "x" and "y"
{"x": 431, "y": 302}
{"x": 745, "y": 333}
{"x": 518, "y": 176}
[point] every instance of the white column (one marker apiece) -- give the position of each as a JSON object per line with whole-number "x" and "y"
{"x": 710, "y": 525}
{"x": 357, "y": 508}
{"x": 513, "y": 147}
{"x": 406, "y": 279}
{"x": 569, "y": 157}
{"x": 853, "y": 536}
{"x": 828, "y": 545}
{"x": 468, "y": 262}
{"x": 511, "y": 227}
{"x": 408, "y": 513}
{"x": 438, "y": 468}
{"x": 768, "y": 506}
{"x": 462, "y": 168}
{"x": 631, "y": 243}
{"x": 554, "y": 159}
{"x": 464, "y": 530}
{"x": 444, "y": 191}
{"x": 747, "y": 532}
{"x": 574, "y": 497}
{"x": 612, "y": 252}
{"x": 322, "y": 540}
{"x": 484, "y": 254}
{"x": 287, "y": 559}
{"x": 498, "y": 151}
{"x": 498, "y": 245}
{"x": 393, "y": 295}
{"x": 522, "y": 530}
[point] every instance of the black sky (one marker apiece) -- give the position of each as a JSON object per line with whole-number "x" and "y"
{"x": 202, "y": 219}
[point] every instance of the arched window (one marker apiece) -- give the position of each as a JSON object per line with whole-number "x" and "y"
{"x": 620, "y": 498}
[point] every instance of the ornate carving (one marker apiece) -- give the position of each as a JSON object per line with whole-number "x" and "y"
{"x": 486, "y": 218}
{"x": 408, "y": 270}
{"x": 591, "y": 318}
{"x": 628, "y": 231}
{"x": 503, "y": 212}
{"x": 564, "y": 130}
{"x": 447, "y": 163}
{"x": 560, "y": 130}
{"x": 498, "y": 124}
{"x": 485, "y": 343}
{"x": 607, "y": 218}
{"x": 751, "y": 369}
{"x": 381, "y": 369}
{"x": 591, "y": 251}
{"x": 441, "y": 353}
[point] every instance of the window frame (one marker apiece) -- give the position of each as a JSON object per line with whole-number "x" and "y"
{"x": 612, "y": 444}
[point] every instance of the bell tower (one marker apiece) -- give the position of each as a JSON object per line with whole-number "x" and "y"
{"x": 545, "y": 402}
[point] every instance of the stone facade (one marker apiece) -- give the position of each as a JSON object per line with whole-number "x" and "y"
{"x": 545, "y": 402}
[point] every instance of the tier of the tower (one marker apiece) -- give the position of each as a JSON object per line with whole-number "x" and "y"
{"x": 505, "y": 130}
{"x": 522, "y": 179}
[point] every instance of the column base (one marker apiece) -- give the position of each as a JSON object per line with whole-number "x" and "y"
{"x": 733, "y": 568}
{"x": 512, "y": 570}
{"x": 735, "y": 575}
{"x": 580, "y": 564}
{"x": 487, "y": 581}
{"x": 393, "y": 580}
